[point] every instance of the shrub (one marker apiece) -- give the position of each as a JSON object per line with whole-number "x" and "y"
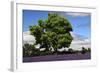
{"x": 83, "y": 50}
{"x": 89, "y": 49}
{"x": 70, "y": 51}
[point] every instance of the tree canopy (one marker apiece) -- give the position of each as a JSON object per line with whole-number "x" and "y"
{"x": 52, "y": 32}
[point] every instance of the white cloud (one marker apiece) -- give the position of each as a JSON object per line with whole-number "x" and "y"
{"x": 27, "y": 38}
{"x": 79, "y": 42}
{"x": 77, "y": 14}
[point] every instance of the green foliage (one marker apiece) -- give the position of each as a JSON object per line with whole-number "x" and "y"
{"x": 70, "y": 50}
{"x": 84, "y": 50}
{"x": 89, "y": 50}
{"x": 27, "y": 50}
{"x": 54, "y": 31}
{"x": 30, "y": 51}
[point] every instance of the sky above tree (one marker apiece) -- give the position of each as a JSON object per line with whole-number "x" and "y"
{"x": 81, "y": 22}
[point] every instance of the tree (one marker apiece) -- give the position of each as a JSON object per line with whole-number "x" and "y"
{"x": 89, "y": 49}
{"x": 84, "y": 50}
{"x": 30, "y": 50}
{"x": 52, "y": 32}
{"x": 27, "y": 50}
{"x": 70, "y": 51}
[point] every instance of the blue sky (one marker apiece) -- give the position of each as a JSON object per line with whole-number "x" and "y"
{"x": 81, "y": 22}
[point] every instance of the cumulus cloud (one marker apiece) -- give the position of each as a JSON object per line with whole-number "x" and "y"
{"x": 27, "y": 38}
{"x": 73, "y": 14}
{"x": 79, "y": 42}
{"x": 77, "y": 14}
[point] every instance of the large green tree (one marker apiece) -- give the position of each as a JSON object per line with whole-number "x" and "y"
{"x": 52, "y": 32}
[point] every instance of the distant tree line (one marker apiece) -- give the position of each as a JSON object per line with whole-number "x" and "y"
{"x": 31, "y": 51}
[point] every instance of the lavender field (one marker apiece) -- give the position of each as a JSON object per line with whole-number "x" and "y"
{"x": 57, "y": 57}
